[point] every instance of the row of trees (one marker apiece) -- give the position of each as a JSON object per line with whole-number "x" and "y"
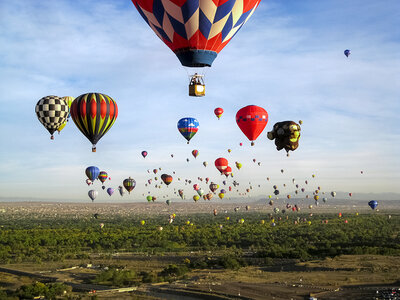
{"x": 36, "y": 240}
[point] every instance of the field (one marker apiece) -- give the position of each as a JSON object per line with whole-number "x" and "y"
{"x": 198, "y": 255}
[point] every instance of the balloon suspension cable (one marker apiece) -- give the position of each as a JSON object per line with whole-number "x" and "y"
{"x": 52, "y": 137}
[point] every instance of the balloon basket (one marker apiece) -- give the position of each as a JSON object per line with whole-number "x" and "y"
{"x": 197, "y": 90}
{"x": 52, "y": 137}
{"x": 94, "y": 149}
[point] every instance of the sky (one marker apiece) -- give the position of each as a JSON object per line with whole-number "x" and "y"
{"x": 288, "y": 58}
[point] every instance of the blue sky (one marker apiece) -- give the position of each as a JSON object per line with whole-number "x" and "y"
{"x": 288, "y": 59}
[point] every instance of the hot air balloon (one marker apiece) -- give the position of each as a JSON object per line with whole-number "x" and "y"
{"x": 373, "y": 204}
{"x": 149, "y": 198}
{"x": 92, "y": 172}
{"x": 69, "y": 100}
{"x": 195, "y": 153}
{"x": 181, "y": 194}
{"x": 142, "y": 222}
{"x": 52, "y": 112}
{"x": 129, "y": 184}
{"x": 227, "y": 171}
{"x": 205, "y": 163}
{"x": 200, "y": 192}
{"x": 221, "y": 164}
{"x": 110, "y": 191}
{"x": 61, "y": 127}
{"x": 252, "y": 120}
{"x": 286, "y": 135}
{"x": 167, "y": 179}
{"x": 168, "y": 202}
{"x": 196, "y": 31}
{"x": 196, "y": 198}
{"x": 94, "y": 114}
{"x": 92, "y": 194}
{"x": 121, "y": 190}
{"x": 213, "y": 187}
{"x": 89, "y": 182}
{"x": 238, "y": 165}
{"x": 218, "y": 112}
{"x": 221, "y": 195}
{"x": 188, "y": 127}
{"x": 333, "y": 194}
{"x": 144, "y": 154}
{"x": 347, "y": 52}
{"x": 102, "y": 176}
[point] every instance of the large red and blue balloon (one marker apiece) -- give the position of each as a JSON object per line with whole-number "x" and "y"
{"x": 196, "y": 31}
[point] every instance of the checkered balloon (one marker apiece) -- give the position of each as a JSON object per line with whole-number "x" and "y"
{"x": 52, "y": 111}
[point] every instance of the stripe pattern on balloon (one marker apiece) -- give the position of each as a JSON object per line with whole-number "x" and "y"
{"x": 94, "y": 114}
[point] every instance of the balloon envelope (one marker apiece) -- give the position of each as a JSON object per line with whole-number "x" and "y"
{"x": 129, "y": 184}
{"x": 52, "y": 111}
{"x": 196, "y": 31}
{"x": 110, "y": 191}
{"x": 94, "y": 114}
{"x": 218, "y": 112}
{"x": 188, "y": 127}
{"x": 252, "y": 120}
{"x": 221, "y": 164}
{"x": 102, "y": 176}
{"x": 92, "y": 173}
{"x": 373, "y": 204}
{"x": 92, "y": 194}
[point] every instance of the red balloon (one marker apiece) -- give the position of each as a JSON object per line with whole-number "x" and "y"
{"x": 227, "y": 171}
{"x": 218, "y": 112}
{"x": 252, "y": 120}
{"x": 221, "y": 164}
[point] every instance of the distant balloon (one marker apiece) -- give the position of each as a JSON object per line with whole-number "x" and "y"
{"x": 221, "y": 164}
{"x": 110, "y": 191}
{"x": 221, "y": 195}
{"x": 129, "y": 184}
{"x": 92, "y": 194}
{"x": 121, "y": 190}
{"x": 252, "y": 120}
{"x": 218, "y": 112}
{"x": 144, "y": 154}
{"x": 92, "y": 172}
{"x": 168, "y": 202}
{"x": 205, "y": 163}
{"x": 188, "y": 127}
{"x": 347, "y": 52}
{"x": 167, "y": 179}
{"x": 102, "y": 176}
{"x": 213, "y": 187}
{"x": 227, "y": 171}
{"x": 238, "y": 165}
{"x": 195, "y": 153}
{"x": 89, "y": 182}
{"x": 373, "y": 204}
{"x": 333, "y": 194}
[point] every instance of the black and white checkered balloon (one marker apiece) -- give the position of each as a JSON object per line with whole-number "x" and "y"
{"x": 52, "y": 111}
